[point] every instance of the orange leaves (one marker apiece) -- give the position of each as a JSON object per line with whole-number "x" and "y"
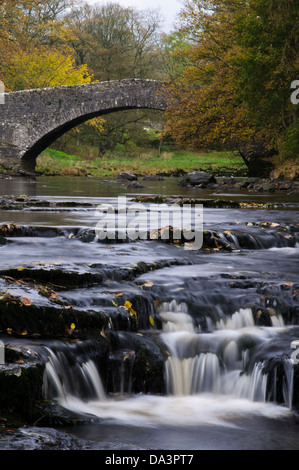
{"x": 231, "y": 72}
{"x": 25, "y": 301}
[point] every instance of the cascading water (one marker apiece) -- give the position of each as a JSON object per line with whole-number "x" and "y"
{"x": 206, "y": 375}
{"x": 62, "y": 381}
{"x": 214, "y": 363}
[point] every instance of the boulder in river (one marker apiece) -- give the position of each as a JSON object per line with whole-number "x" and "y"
{"x": 197, "y": 178}
{"x": 135, "y": 184}
{"x": 126, "y": 176}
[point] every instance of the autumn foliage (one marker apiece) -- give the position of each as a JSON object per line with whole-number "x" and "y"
{"x": 34, "y": 46}
{"x": 235, "y": 86}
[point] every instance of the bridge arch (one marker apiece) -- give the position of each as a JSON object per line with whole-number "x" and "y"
{"x": 31, "y": 120}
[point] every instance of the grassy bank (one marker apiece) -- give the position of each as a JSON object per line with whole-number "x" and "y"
{"x": 52, "y": 162}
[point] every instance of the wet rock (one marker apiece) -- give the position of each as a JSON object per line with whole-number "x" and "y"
{"x": 28, "y": 320}
{"x": 56, "y": 277}
{"x": 38, "y": 438}
{"x": 135, "y": 184}
{"x": 180, "y": 201}
{"x": 21, "y": 389}
{"x": 126, "y": 176}
{"x": 142, "y": 363}
{"x": 198, "y": 178}
{"x": 267, "y": 187}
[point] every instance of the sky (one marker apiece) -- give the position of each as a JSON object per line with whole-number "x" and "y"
{"x": 169, "y": 8}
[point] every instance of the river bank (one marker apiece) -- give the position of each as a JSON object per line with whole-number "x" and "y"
{"x": 143, "y": 163}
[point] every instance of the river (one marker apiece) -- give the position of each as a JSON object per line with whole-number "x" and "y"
{"x": 226, "y": 319}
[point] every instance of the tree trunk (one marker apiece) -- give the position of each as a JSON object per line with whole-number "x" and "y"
{"x": 258, "y": 159}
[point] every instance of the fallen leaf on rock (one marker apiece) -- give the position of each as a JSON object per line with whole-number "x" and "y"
{"x": 128, "y": 306}
{"x": 147, "y": 284}
{"x": 26, "y": 301}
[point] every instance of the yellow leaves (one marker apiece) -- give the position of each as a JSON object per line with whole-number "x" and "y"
{"x": 42, "y": 67}
{"x": 151, "y": 320}
{"x": 70, "y": 329}
{"x": 97, "y": 123}
{"x": 128, "y": 306}
{"x": 47, "y": 292}
{"x": 10, "y": 331}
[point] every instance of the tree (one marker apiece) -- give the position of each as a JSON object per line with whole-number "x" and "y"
{"x": 235, "y": 90}
{"x": 43, "y": 67}
{"x": 34, "y": 39}
{"x": 116, "y": 42}
{"x": 55, "y": 42}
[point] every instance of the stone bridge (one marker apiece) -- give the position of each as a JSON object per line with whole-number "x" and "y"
{"x": 31, "y": 120}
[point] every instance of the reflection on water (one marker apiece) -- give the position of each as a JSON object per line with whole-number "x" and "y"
{"x": 91, "y": 187}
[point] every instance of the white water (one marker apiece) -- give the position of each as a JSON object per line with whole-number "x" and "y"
{"x": 190, "y": 372}
{"x": 202, "y": 387}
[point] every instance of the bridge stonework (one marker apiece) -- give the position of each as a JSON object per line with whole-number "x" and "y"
{"x": 31, "y": 120}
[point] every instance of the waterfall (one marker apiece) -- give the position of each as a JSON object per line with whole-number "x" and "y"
{"x": 186, "y": 372}
{"x": 217, "y": 366}
{"x": 61, "y": 379}
{"x": 288, "y": 383}
{"x": 239, "y": 319}
{"x": 207, "y": 363}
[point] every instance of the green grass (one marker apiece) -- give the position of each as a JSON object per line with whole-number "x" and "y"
{"x": 144, "y": 163}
